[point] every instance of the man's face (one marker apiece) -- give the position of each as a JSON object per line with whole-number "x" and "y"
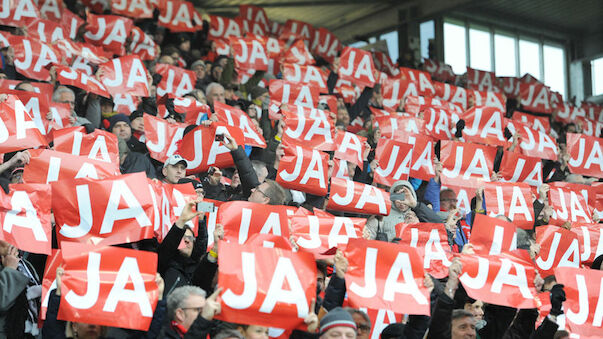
{"x": 477, "y": 309}
{"x": 173, "y": 173}
{"x": 320, "y": 281}
{"x": 106, "y": 108}
{"x": 86, "y": 330}
{"x": 463, "y": 328}
{"x": 138, "y": 124}
{"x": 216, "y": 72}
{"x": 364, "y": 329}
{"x": 258, "y": 194}
{"x": 217, "y": 94}
{"x": 199, "y": 71}
{"x": 122, "y": 130}
{"x": 189, "y": 242}
{"x": 448, "y": 201}
{"x": 67, "y": 98}
{"x": 189, "y": 311}
{"x": 339, "y": 332}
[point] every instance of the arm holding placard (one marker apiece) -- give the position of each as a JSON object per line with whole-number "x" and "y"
{"x": 440, "y": 317}
{"x": 54, "y": 328}
{"x": 335, "y": 292}
{"x": 249, "y": 178}
{"x": 207, "y": 268}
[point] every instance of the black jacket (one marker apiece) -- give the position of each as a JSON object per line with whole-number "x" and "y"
{"x": 55, "y": 329}
{"x": 138, "y": 162}
{"x": 176, "y": 269}
{"x": 249, "y": 178}
{"x": 200, "y": 328}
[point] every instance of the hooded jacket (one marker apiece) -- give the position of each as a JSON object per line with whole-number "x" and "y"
{"x": 395, "y": 216}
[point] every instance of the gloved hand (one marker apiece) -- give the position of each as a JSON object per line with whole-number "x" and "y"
{"x": 557, "y": 299}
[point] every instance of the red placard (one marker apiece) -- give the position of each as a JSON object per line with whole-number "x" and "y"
{"x": 125, "y": 75}
{"x": 488, "y": 99}
{"x": 169, "y": 201}
{"x": 162, "y": 138}
{"x": 414, "y": 104}
{"x": 394, "y": 160}
{"x": 36, "y": 107}
{"x": 298, "y": 54}
{"x": 109, "y": 211}
{"x": 242, "y": 219}
{"x": 510, "y": 86}
{"x": 541, "y": 124}
{"x": 201, "y": 149}
{"x": 51, "y": 9}
{"x": 384, "y": 63}
{"x": 47, "y": 166}
{"x": 356, "y": 65}
{"x": 482, "y": 80}
{"x": 400, "y": 128}
{"x": 516, "y": 167}
{"x": 237, "y": 118}
{"x": 351, "y": 196}
{"x": 14, "y": 13}
{"x": 385, "y": 276}
{"x": 420, "y": 81}
{"x": 295, "y": 29}
{"x": 138, "y": 9}
{"x": 534, "y": 143}
{"x": 493, "y": 235}
{"x": 583, "y": 300}
{"x": 72, "y": 77}
{"x": 44, "y": 30}
{"x": 439, "y": 123}
{"x": 25, "y": 216}
{"x": 294, "y": 93}
{"x": 109, "y": 31}
{"x": 586, "y": 155}
{"x": 98, "y": 145}
{"x": 484, "y": 125}
{"x": 265, "y": 286}
{"x": 32, "y": 55}
{"x": 255, "y": 14}
{"x": 310, "y": 75}
{"x": 179, "y": 16}
{"x": 466, "y": 164}
{"x": 222, "y": 27}
{"x": 18, "y": 130}
{"x": 91, "y": 53}
{"x": 513, "y": 200}
{"x": 454, "y": 95}
{"x": 249, "y": 53}
{"x": 143, "y": 44}
{"x": 71, "y": 23}
{"x": 568, "y": 205}
{"x": 108, "y": 286}
{"x": 535, "y": 97}
{"x": 558, "y": 248}
{"x": 590, "y": 239}
{"x": 431, "y": 242}
{"x": 421, "y": 166}
{"x": 312, "y": 133}
{"x": 322, "y": 231}
{"x": 175, "y": 80}
{"x": 49, "y": 283}
{"x": 304, "y": 169}
{"x": 439, "y": 70}
{"x": 350, "y": 147}
{"x": 504, "y": 279}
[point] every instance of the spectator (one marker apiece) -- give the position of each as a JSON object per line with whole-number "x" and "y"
{"x": 174, "y": 169}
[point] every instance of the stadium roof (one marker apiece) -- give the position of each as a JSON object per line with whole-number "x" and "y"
{"x": 351, "y": 18}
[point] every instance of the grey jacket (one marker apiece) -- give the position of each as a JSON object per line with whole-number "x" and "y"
{"x": 12, "y": 283}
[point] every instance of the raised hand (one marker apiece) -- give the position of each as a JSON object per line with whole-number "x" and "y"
{"x": 212, "y": 305}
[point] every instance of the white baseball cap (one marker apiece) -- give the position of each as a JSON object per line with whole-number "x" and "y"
{"x": 175, "y": 159}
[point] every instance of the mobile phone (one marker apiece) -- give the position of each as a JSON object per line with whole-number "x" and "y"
{"x": 205, "y": 206}
{"x": 219, "y": 137}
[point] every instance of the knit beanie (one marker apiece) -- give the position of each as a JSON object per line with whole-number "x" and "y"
{"x": 117, "y": 118}
{"x": 336, "y": 317}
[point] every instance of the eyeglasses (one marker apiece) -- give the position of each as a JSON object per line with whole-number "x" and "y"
{"x": 259, "y": 190}
{"x": 189, "y": 238}
{"x": 452, "y": 200}
{"x": 363, "y": 328}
